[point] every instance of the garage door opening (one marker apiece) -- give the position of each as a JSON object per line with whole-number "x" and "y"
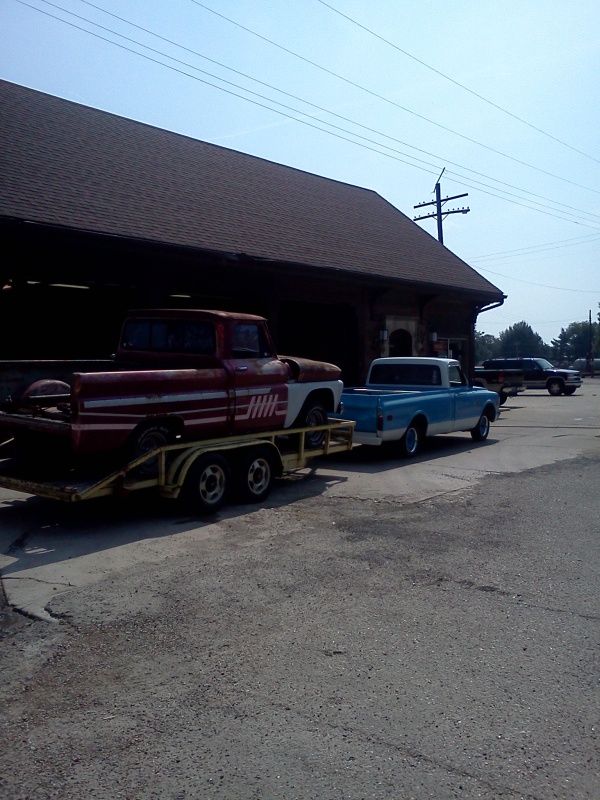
{"x": 323, "y": 332}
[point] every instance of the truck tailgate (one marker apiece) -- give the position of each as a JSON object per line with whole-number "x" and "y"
{"x": 366, "y": 406}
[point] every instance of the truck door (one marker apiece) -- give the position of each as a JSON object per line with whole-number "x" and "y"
{"x": 534, "y": 374}
{"x": 467, "y": 406}
{"x": 167, "y": 367}
{"x": 259, "y": 379}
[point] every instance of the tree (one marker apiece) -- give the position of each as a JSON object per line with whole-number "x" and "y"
{"x": 574, "y": 341}
{"x": 521, "y": 340}
{"x": 486, "y": 346}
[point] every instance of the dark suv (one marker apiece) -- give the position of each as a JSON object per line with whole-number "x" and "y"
{"x": 540, "y": 374}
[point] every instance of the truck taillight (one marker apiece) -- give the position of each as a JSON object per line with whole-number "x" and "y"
{"x": 379, "y": 418}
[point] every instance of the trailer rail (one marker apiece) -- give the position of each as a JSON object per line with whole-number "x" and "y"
{"x": 204, "y": 472}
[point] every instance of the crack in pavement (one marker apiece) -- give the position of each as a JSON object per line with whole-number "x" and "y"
{"x": 395, "y": 501}
{"x": 467, "y": 584}
{"x": 406, "y": 750}
{"x": 37, "y": 580}
{"x": 580, "y": 615}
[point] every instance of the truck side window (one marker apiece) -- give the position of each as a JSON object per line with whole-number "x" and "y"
{"x": 170, "y": 336}
{"x": 249, "y": 341}
{"x": 198, "y": 338}
{"x": 136, "y": 335}
{"x": 183, "y": 336}
{"x": 405, "y": 375}
{"x": 455, "y": 376}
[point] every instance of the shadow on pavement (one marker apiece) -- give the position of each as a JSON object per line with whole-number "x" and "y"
{"x": 38, "y": 531}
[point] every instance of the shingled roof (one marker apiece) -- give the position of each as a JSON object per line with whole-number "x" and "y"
{"x": 70, "y": 165}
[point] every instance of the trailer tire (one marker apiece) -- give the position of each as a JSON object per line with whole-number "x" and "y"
{"x": 207, "y": 483}
{"x": 254, "y": 476}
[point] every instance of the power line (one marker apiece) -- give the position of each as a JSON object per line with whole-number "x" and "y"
{"x": 296, "y": 111}
{"x": 274, "y": 110}
{"x": 574, "y": 240}
{"x": 457, "y": 83}
{"x": 594, "y": 217}
{"x": 388, "y": 100}
{"x": 537, "y": 321}
{"x": 533, "y": 250}
{"x": 543, "y": 285}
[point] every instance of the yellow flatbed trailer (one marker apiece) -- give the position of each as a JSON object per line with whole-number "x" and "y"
{"x": 204, "y": 473}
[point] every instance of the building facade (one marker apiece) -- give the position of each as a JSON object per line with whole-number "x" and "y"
{"x": 99, "y": 214}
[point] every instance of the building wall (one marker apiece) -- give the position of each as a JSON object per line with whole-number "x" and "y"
{"x": 343, "y": 318}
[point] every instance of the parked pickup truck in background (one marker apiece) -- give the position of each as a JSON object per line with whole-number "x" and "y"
{"x": 406, "y": 399}
{"x": 540, "y": 374}
{"x": 586, "y": 366}
{"x": 177, "y": 374}
{"x": 507, "y": 382}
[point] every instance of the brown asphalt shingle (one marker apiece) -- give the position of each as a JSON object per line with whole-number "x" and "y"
{"x": 71, "y": 165}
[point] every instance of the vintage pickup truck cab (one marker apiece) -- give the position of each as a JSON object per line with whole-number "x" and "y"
{"x": 177, "y": 374}
{"x": 406, "y": 399}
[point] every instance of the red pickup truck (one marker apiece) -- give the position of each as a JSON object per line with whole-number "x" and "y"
{"x": 177, "y": 374}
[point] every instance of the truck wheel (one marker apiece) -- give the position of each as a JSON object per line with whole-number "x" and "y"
{"x": 570, "y": 389}
{"x": 480, "y": 432}
{"x": 152, "y": 437}
{"x": 313, "y": 413}
{"x": 207, "y": 483}
{"x": 555, "y": 387}
{"x": 410, "y": 443}
{"x": 254, "y": 476}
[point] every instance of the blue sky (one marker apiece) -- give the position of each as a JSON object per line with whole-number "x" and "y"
{"x": 503, "y": 96}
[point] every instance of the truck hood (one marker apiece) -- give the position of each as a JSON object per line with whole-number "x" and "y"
{"x": 565, "y": 373}
{"x": 305, "y": 370}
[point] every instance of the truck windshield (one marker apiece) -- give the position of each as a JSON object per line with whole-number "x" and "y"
{"x": 541, "y": 362}
{"x": 405, "y": 375}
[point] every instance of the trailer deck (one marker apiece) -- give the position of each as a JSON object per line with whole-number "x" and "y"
{"x": 170, "y": 467}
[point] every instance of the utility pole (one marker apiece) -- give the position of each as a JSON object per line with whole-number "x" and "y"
{"x": 438, "y": 206}
{"x": 590, "y": 352}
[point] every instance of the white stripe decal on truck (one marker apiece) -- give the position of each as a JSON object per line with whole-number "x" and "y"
{"x": 151, "y": 400}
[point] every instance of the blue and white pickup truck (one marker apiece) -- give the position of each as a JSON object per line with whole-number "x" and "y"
{"x": 407, "y": 399}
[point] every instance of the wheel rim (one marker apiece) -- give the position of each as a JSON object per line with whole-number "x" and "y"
{"x": 211, "y": 484}
{"x": 484, "y": 426}
{"x": 151, "y": 441}
{"x": 554, "y": 387}
{"x": 314, "y": 417}
{"x": 259, "y": 475}
{"x": 412, "y": 441}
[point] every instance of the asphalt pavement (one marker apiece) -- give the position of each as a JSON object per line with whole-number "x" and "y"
{"x": 377, "y": 629}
